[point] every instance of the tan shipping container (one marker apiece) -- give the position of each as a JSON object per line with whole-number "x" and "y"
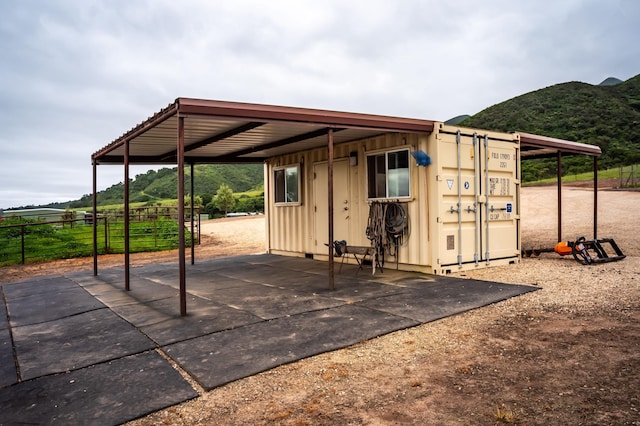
{"x": 461, "y": 211}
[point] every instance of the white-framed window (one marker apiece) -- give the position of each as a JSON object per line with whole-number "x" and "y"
{"x": 287, "y": 184}
{"x": 388, "y": 174}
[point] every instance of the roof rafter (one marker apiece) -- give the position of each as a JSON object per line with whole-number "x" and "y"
{"x": 215, "y": 138}
{"x": 286, "y": 141}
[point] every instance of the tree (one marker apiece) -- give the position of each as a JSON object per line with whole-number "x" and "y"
{"x": 197, "y": 201}
{"x": 224, "y": 199}
{"x": 206, "y": 199}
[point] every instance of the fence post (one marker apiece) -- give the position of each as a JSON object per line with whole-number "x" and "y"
{"x": 22, "y": 241}
{"x": 620, "y": 175}
{"x": 106, "y": 234}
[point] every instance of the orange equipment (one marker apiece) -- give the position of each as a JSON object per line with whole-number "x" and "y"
{"x": 589, "y": 252}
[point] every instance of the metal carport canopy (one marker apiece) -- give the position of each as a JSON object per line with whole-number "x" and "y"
{"x": 197, "y": 131}
{"x": 536, "y": 146}
{"x": 232, "y": 132}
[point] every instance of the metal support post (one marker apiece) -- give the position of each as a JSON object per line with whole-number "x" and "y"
{"x": 559, "y": 179}
{"x": 181, "y": 245}
{"x": 94, "y": 219}
{"x": 127, "y": 276}
{"x": 332, "y": 285}
{"x": 193, "y": 196}
{"x": 595, "y": 198}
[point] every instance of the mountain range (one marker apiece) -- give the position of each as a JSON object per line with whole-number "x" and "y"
{"x": 607, "y": 115}
{"x": 155, "y": 185}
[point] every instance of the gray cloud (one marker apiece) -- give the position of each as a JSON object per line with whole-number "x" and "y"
{"x": 76, "y": 74}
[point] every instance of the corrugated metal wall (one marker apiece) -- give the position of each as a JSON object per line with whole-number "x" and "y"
{"x": 292, "y": 229}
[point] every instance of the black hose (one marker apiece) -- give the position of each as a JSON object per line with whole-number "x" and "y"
{"x": 387, "y": 227}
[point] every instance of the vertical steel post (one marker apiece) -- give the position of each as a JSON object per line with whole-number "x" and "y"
{"x": 181, "y": 245}
{"x": 332, "y": 284}
{"x": 595, "y": 198}
{"x": 559, "y": 178}
{"x": 266, "y": 170}
{"x": 94, "y": 219}
{"x": 193, "y": 196}
{"x": 126, "y": 217}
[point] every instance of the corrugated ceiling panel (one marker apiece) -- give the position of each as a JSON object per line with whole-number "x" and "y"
{"x": 155, "y": 141}
{"x": 317, "y": 142}
{"x": 265, "y": 134}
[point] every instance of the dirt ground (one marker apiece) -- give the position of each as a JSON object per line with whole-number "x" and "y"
{"x": 568, "y": 354}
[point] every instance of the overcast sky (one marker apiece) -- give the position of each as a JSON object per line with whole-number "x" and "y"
{"x": 76, "y": 74}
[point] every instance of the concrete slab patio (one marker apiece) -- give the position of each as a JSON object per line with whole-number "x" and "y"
{"x": 80, "y": 349}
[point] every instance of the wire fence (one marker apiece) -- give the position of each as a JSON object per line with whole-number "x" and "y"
{"x": 29, "y": 240}
{"x": 630, "y": 176}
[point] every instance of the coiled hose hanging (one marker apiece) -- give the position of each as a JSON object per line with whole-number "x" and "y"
{"x": 387, "y": 228}
{"x": 396, "y": 226}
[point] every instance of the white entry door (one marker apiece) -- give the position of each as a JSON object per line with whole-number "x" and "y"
{"x": 341, "y": 203}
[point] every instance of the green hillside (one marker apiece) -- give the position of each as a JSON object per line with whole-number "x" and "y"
{"x": 607, "y": 115}
{"x": 603, "y": 115}
{"x": 162, "y": 184}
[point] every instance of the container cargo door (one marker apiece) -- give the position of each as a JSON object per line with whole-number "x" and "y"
{"x": 341, "y": 203}
{"x": 459, "y": 187}
{"x": 499, "y": 211}
{"x": 477, "y": 183}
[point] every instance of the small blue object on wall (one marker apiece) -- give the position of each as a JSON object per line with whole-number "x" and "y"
{"x": 422, "y": 158}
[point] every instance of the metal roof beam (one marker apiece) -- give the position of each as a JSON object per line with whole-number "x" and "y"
{"x": 301, "y": 115}
{"x": 233, "y": 132}
{"x": 225, "y": 159}
{"x": 145, "y": 160}
{"x": 216, "y": 138}
{"x": 286, "y": 141}
{"x": 134, "y": 159}
{"x": 566, "y": 147}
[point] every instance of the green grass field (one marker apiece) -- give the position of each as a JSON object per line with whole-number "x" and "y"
{"x": 602, "y": 174}
{"x": 43, "y": 242}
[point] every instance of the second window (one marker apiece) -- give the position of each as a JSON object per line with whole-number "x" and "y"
{"x": 388, "y": 174}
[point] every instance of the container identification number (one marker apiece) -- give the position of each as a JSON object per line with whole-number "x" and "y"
{"x": 503, "y": 158}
